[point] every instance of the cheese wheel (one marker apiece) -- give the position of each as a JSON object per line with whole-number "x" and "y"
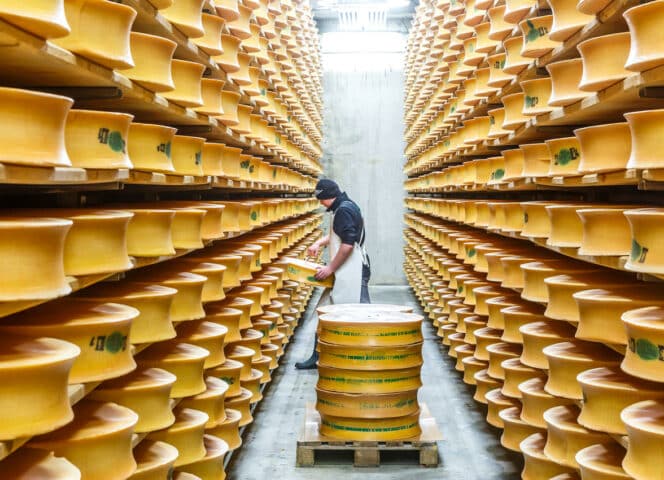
{"x": 536, "y": 464}
{"x": 304, "y": 271}
{"x": 370, "y": 328}
{"x": 362, "y": 307}
{"x": 153, "y": 302}
{"x": 211, "y": 401}
{"x": 242, "y": 403}
{"x": 184, "y": 361}
{"x": 602, "y": 462}
{"x": 146, "y": 391}
{"x": 212, "y": 464}
{"x": 568, "y": 359}
{"x": 33, "y": 385}
{"x": 154, "y": 460}
{"x": 370, "y": 358}
{"x": 229, "y": 429}
{"x": 362, "y": 405}
{"x": 606, "y": 392}
{"x": 646, "y": 439}
{"x": 99, "y": 329}
{"x": 33, "y": 464}
{"x": 186, "y": 434}
{"x": 97, "y": 439}
{"x": 368, "y": 382}
{"x": 565, "y": 437}
{"x": 362, "y": 429}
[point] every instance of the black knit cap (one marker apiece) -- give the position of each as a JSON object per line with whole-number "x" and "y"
{"x": 327, "y": 189}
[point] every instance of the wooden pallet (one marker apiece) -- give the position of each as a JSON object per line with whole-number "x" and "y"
{"x": 365, "y": 453}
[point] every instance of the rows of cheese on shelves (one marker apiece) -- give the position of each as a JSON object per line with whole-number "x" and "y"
{"x": 172, "y": 359}
{"x": 465, "y": 58}
{"x": 623, "y": 236}
{"x": 45, "y": 247}
{"x": 275, "y": 72}
{"x": 563, "y": 352}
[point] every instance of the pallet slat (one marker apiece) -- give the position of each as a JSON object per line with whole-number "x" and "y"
{"x": 367, "y": 453}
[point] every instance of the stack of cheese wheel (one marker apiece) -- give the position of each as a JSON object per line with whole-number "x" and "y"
{"x": 369, "y": 372}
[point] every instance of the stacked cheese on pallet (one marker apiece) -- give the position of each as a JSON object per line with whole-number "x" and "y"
{"x": 370, "y": 358}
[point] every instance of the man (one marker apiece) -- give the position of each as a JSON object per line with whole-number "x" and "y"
{"x": 348, "y": 259}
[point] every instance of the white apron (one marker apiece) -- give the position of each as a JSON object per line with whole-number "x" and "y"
{"x": 348, "y": 278}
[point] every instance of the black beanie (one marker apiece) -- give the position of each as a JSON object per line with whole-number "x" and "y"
{"x": 327, "y": 189}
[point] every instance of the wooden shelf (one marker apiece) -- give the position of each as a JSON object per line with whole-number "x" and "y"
{"x": 164, "y": 179}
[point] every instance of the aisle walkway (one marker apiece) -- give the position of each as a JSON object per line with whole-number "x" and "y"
{"x": 470, "y": 450}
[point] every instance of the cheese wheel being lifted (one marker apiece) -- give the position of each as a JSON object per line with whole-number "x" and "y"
{"x": 370, "y": 358}
{"x": 370, "y": 328}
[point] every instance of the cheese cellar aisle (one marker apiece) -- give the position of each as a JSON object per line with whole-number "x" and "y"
{"x": 466, "y": 436}
{"x": 188, "y": 186}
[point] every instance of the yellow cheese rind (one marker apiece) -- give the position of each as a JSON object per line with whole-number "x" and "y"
{"x": 382, "y": 429}
{"x": 353, "y": 381}
{"x": 370, "y": 328}
{"x": 370, "y": 358}
{"x": 361, "y": 405}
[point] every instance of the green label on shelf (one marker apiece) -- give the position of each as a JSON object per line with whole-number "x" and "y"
{"x": 165, "y": 148}
{"x": 116, "y": 142}
{"x": 565, "y": 155}
{"x": 535, "y": 33}
{"x": 639, "y": 252}
{"x": 113, "y": 139}
{"x": 530, "y": 102}
{"x": 498, "y": 174}
{"x": 115, "y": 342}
{"x": 646, "y": 350}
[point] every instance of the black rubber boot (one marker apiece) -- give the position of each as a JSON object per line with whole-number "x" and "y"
{"x": 311, "y": 362}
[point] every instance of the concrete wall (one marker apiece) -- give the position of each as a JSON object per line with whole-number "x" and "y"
{"x": 363, "y": 95}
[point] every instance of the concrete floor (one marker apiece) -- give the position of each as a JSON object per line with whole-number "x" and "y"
{"x": 470, "y": 449}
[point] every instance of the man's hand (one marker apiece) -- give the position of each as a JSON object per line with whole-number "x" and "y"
{"x": 313, "y": 250}
{"x": 324, "y": 272}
